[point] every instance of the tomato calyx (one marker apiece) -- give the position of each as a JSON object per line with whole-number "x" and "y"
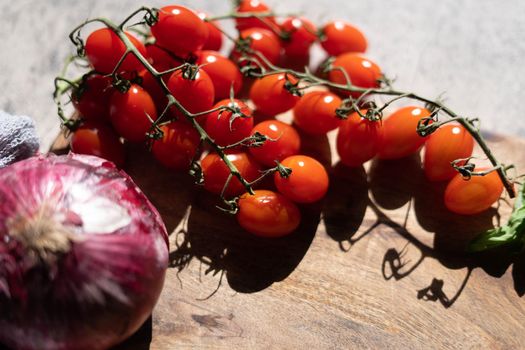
{"x": 351, "y": 105}
{"x": 292, "y": 85}
{"x": 190, "y": 71}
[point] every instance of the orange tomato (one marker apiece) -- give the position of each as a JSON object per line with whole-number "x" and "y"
{"x": 268, "y": 214}
{"x": 473, "y": 196}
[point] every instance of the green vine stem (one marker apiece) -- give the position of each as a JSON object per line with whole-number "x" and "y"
{"x": 264, "y": 68}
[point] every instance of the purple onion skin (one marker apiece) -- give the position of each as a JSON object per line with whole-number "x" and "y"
{"x": 99, "y": 290}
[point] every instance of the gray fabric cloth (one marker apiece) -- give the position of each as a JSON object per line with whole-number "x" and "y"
{"x": 18, "y": 138}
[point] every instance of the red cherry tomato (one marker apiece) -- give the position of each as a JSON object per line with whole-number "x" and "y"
{"x": 358, "y": 139}
{"x": 91, "y": 100}
{"x": 361, "y": 71}
{"x": 130, "y": 113}
{"x": 216, "y": 173}
{"x": 283, "y": 142}
{"x": 178, "y": 145}
{"x": 223, "y": 73}
{"x": 473, "y": 196}
{"x": 253, "y": 6}
{"x": 214, "y": 41}
{"x": 180, "y": 30}
{"x": 308, "y": 182}
{"x": 98, "y": 139}
{"x": 104, "y": 49}
{"x": 263, "y": 41}
{"x": 153, "y": 88}
{"x": 339, "y": 37}
{"x": 301, "y": 35}
{"x": 195, "y": 95}
{"x": 225, "y": 132}
{"x": 161, "y": 58}
{"x": 268, "y": 214}
{"x": 448, "y": 143}
{"x": 400, "y": 137}
{"x": 315, "y": 112}
{"x": 270, "y": 96}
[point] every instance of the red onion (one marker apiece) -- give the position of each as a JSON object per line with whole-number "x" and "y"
{"x": 83, "y": 254}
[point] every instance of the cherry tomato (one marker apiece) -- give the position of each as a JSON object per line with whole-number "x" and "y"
{"x": 268, "y": 214}
{"x": 315, "y": 112}
{"x": 270, "y": 96}
{"x": 361, "y": 71}
{"x": 216, "y": 173}
{"x": 98, "y": 139}
{"x": 161, "y": 58}
{"x": 178, "y": 145}
{"x": 448, "y": 143}
{"x": 130, "y": 113}
{"x": 263, "y": 41}
{"x": 195, "y": 95}
{"x": 301, "y": 35}
{"x": 358, "y": 139}
{"x": 473, "y": 196}
{"x": 283, "y": 142}
{"x": 339, "y": 37}
{"x": 180, "y": 30}
{"x": 225, "y": 132}
{"x": 253, "y": 6}
{"x": 104, "y": 49}
{"x": 153, "y": 88}
{"x": 91, "y": 100}
{"x": 308, "y": 182}
{"x": 214, "y": 41}
{"x": 223, "y": 73}
{"x": 400, "y": 137}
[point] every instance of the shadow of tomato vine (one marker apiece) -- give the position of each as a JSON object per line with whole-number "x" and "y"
{"x": 392, "y": 186}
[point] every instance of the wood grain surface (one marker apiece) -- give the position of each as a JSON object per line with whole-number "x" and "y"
{"x": 378, "y": 264}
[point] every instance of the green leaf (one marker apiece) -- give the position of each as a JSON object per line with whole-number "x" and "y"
{"x": 512, "y": 232}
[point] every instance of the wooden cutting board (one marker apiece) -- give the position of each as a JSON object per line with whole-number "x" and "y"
{"x": 378, "y": 264}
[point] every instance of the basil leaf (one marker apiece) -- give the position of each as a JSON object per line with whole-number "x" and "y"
{"x": 512, "y": 232}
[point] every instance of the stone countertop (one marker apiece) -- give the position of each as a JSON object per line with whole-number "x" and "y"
{"x": 473, "y": 50}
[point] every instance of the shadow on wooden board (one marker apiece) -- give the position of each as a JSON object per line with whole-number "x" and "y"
{"x": 251, "y": 264}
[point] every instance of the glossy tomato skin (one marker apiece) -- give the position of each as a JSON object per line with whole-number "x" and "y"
{"x": 195, "y": 95}
{"x": 400, "y": 138}
{"x": 447, "y": 144}
{"x": 268, "y": 214}
{"x": 253, "y": 6}
{"x": 224, "y": 132}
{"x": 180, "y": 30}
{"x": 270, "y": 95}
{"x": 92, "y": 99}
{"x": 308, "y": 182}
{"x": 104, "y": 49}
{"x": 178, "y": 145}
{"x": 358, "y": 139}
{"x": 284, "y": 141}
{"x": 301, "y": 35}
{"x": 129, "y": 113}
{"x": 216, "y": 173}
{"x": 362, "y": 72}
{"x": 161, "y": 58}
{"x": 473, "y": 196}
{"x": 263, "y": 41}
{"x": 223, "y": 73}
{"x": 339, "y": 37}
{"x": 315, "y": 113}
{"x": 214, "y": 41}
{"x": 98, "y": 139}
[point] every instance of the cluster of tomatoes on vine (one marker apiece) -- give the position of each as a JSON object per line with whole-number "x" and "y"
{"x": 183, "y": 48}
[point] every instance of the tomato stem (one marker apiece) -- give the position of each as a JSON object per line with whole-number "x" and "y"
{"x": 258, "y": 66}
